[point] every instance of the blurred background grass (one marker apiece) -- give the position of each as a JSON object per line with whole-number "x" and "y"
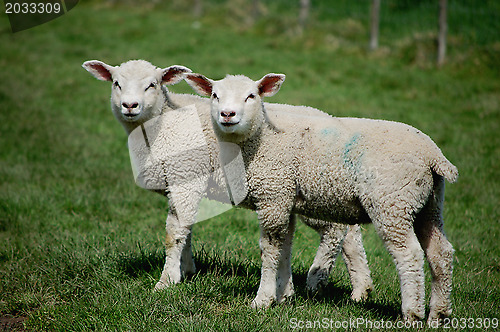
{"x": 81, "y": 246}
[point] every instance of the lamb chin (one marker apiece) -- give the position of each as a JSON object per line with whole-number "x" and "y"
{"x": 228, "y": 127}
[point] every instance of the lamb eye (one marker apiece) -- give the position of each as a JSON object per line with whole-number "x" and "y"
{"x": 116, "y": 84}
{"x": 250, "y": 96}
{"x": 214, "y": 96}
{"x": 152, "y": 85}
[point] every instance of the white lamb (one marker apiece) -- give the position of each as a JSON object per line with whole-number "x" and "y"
{"x": 338, "y": 170}
{"x": 137, "y": 97}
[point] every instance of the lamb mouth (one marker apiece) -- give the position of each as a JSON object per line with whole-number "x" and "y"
{"x": 229, "y": 124}
{"x": 131, "y": 115}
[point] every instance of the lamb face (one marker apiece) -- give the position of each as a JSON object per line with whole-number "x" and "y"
{"x": 137, "y": 93}
{"x": 236, "y": 103}
{"x": 236, "y": 107}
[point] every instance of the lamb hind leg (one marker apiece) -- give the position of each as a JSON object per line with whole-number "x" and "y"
{"x": 402, "y": 243}
{"x": 332, "y": 237}
{"x": 439, "y": 254}
{"x": 353, "y": 252}
{"x": 355, "y": 259}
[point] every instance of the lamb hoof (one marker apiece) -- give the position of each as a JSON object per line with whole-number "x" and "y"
{"x": 361, "y": 294}
{"x": 316, "y": 279}
{"x": 435, "y": 319}
{"x": 262, "y": 303}
{"x": 315, "y": 290}
{"x": 286, "y": 298}
{"x": 413, "y": 317}
{"x": 161, "y": 285}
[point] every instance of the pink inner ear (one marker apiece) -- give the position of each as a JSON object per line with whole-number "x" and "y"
{"x": 171, "y": 74}
{"x": 268, "y": 83}
{"x": 202, "y": 83}
{"x": 103, "y": 72}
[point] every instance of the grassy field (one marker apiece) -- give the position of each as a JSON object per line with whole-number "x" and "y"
{"x": 81, "y": 246}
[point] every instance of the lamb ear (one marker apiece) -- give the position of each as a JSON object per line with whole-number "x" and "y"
{"x": 173, "y": 74}
{"x": 270, "y": 84}
{"x": 200, "y": 84}
{"x": 99, "y": 70}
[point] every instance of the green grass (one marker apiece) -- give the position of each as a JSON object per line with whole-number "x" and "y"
{"x": 81, "y": 246}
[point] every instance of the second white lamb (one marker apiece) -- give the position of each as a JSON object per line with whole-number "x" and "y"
{"x": 345, "y": 170}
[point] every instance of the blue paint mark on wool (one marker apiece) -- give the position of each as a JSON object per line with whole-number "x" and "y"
{"x": 351, "y": 155}
{"x": 329, "y": 131}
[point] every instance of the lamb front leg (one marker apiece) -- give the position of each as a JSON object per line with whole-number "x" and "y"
{"x": 184, "y": 200}
{"x": 284, "y": 289}
{"x": 179, "y": 259}
{"x": 275, "y": 243}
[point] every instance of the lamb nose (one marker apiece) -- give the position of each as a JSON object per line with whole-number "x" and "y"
{"x": 227, "y": 114}
{"x": 134, "y": 105}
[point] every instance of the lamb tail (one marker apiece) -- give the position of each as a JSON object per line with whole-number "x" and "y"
{"x": 445, "y": 168}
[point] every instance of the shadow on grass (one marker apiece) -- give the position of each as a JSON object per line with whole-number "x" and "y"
{"x": 223, "y": 265}
{"x": 339, "y": 296}
{"x": 138, "y": 263}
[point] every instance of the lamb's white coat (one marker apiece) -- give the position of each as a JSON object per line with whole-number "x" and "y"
{"x": 137, "y": 99}
{"x": 338, "y": 170}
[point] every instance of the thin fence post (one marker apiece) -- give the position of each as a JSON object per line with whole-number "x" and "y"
{"x": 305, "y": 5}
{"x": 375, "y": 20}
{"x": 198, "y": 8}
{"x": 443, "y": 27}
{"x": 255, "y": 10}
